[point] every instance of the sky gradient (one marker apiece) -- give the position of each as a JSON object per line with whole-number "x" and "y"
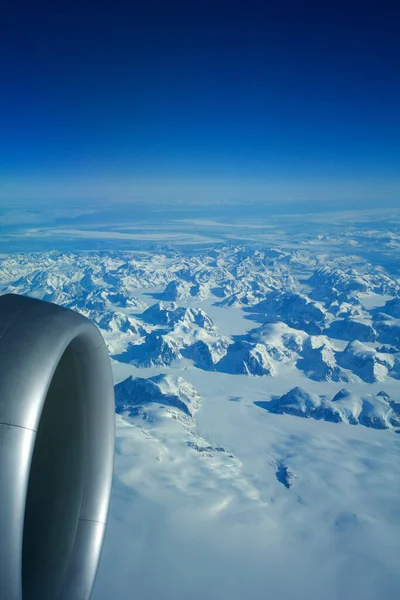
{"x": 232, "y": 101}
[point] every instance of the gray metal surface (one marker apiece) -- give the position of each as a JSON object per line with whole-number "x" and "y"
{"x": 56, "y": 450}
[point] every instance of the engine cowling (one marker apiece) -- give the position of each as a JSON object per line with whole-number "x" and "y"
{"x": 57, "y": 430}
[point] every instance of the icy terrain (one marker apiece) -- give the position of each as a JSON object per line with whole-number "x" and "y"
{"x": 258, "y": 411}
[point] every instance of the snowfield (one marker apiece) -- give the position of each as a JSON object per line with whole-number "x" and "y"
{"x": 258, "y": 415}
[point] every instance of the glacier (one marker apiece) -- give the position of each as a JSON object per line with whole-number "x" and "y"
{"x": 257, "y": 403}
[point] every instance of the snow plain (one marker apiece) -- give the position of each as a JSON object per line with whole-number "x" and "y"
{"x": 218, "y": 492}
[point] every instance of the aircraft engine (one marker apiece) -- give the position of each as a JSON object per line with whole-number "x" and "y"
{"x": 56, "y": 450}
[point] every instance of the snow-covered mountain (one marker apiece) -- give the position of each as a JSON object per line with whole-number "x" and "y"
{"x": 392, "y": 308}
{"x": 156, "y": 350}
{"x": 318, "y": 360}
{"x": 177, "y": 290}
{"x": 172, "y": 315}
{"x": 376, "y": 411}
{"x": 318, "y": 316}
{"x": 208, "y": 352}
{"x": 135, "y": 392}
{"x": 352, "y": 329}
{"x": 294, "y": 309}
{"x": 366, "y": 362}
{"x": 246, "y": 358}
{"x": 329, "y": 283}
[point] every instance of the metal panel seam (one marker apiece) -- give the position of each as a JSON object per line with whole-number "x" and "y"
{"x": 9, "y": 424}
{"x": 92, "y": 520}
{"x": 18, "y": 310}
{"x": 89, "y": 351}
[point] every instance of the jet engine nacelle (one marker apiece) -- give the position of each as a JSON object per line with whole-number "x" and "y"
{"x": 56, "y": 450}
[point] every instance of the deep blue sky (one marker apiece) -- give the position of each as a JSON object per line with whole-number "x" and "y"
{"x": 163, "y": 99}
